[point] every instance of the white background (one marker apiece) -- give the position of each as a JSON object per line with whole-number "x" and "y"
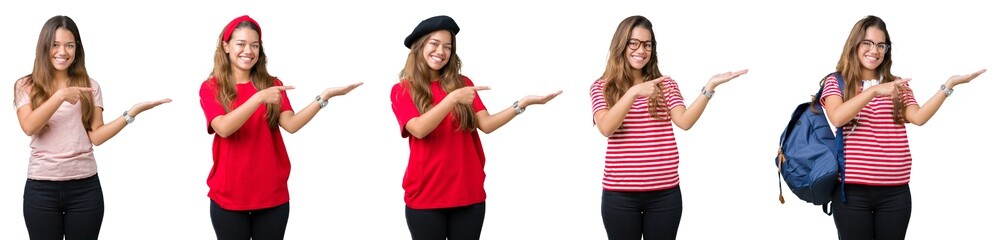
{"x": 544, "y": 168}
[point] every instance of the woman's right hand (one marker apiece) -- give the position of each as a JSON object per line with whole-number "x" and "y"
{"x": 648, "y": 88}
{"x": 272, "y": 94}
{"x": 465, "y": 95}
{"x": 890, "y": 89}
{"x": 72, "y": 95}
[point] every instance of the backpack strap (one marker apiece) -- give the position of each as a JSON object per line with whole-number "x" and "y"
{"x": 838, "y": 146}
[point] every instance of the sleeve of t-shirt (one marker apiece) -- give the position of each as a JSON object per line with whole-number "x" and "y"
{"x": 22, "y": 93}
{"x": 672, "y": 93}
{"x": 477, "y": 103}
{"x": 209, "y": 104}
{"x": 285, "y": 104}
{"x": 597, "y": 102}
{"x": 98, "y": 97}
{"x": 830, "y": 88}
{"x": 907, "y": 95}
{"x": 403, "y": 107}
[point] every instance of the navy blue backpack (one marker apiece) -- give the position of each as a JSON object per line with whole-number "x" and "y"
{"x": 810, "y": 157}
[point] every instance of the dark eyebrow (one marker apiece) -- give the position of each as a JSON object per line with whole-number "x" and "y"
{"x": 439, "y": 40}
{"x": 874, "y": 41}
{"x": 245, "y": 41}
{"x": 651, "y": 40}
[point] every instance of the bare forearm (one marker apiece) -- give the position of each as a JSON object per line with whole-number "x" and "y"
{"x": 295, "y": 121}
{"x": 420, "y": 126}
{"x": 689, "y": 116}
{"x": 227, "y": 124}
{"x": 105, "y": 132}
{"x": 924, "y": 113}
{"x": 608, "y": 122}
{"x": 36, "y": 119}
{"x": 489, "y": 123}
{"x": 844, "y": 112}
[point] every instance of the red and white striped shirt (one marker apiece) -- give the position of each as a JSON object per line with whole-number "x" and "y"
{"x": 877, "y": 151}
{"x": 642, "y": 154}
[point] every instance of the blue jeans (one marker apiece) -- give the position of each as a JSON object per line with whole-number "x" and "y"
{"x": 642, "y": 215}
{"x": 457, "y": 223}
{"x": 54, "y": 209}
{"x": 872, "y": 212}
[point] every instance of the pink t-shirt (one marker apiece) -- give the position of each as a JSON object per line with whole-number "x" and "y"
{"x": 61, "y": 150}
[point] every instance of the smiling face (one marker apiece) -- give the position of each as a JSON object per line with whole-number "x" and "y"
{"x": 243, "y": 48}
{"x": 437, "y": 50}
{"x": 639, "y": 47}
{"x": 872, "y": 49}
{"x": 63, "y": 49}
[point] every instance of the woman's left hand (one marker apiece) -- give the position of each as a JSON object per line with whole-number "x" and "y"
{"x": 533, "y": 99}
{"x": 721, "y": 78}
{"x": 338, "y": 91}
{"x": 960, "y": 79}
{"x": 143, "y": 106}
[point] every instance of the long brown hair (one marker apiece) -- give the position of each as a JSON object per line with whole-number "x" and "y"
{"x": 261, "y": 79}
{"x": 850, "y": 67}
{"x": 617, "y": 75}
{"x": 41, "y": 80}
{"x": 416, "y": 76}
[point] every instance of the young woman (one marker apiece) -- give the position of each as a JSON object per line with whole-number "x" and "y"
{"x": 439, "y": 110}
{"x": 873, "y": 109}
{"x": 244, "y": 106}
{"x": 635, "y": 106}
{"x": 62, "y": 109}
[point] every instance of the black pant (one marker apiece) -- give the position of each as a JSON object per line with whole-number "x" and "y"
{"x": 53, "y": 209}
{"x": 457, "y": 223}
{"x": 642, "y": 215}
{"x": 263, "y": 224}
{"x": 872, "y": 212}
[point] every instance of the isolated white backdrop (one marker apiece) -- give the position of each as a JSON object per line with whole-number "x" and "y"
{"x": 544, "y": 168}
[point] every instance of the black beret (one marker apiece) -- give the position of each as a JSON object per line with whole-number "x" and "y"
{"x": 430, "y": 25}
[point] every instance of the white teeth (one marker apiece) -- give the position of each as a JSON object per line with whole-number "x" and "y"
{"x": 638, "y": 58}
{"x": 436, "y": 58}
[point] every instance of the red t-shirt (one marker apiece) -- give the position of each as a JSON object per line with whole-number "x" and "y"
{"x": 446, "y": 166}
{"x": 877, "y": 152}
{"x": 250, "y": 167}
{"x": 642, "y": 153}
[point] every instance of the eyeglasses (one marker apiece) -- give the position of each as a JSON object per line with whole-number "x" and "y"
{"x": 868, "y": 44}
{"x": 634, "y": 44}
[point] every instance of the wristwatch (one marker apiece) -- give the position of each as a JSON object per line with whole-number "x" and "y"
{"x": 707, "y": 94}
{"x": 517, "y": 110}
{"x": 322, "y": 103}
{"x": 128, "y": 119}
{"x": 947, "y": 91}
